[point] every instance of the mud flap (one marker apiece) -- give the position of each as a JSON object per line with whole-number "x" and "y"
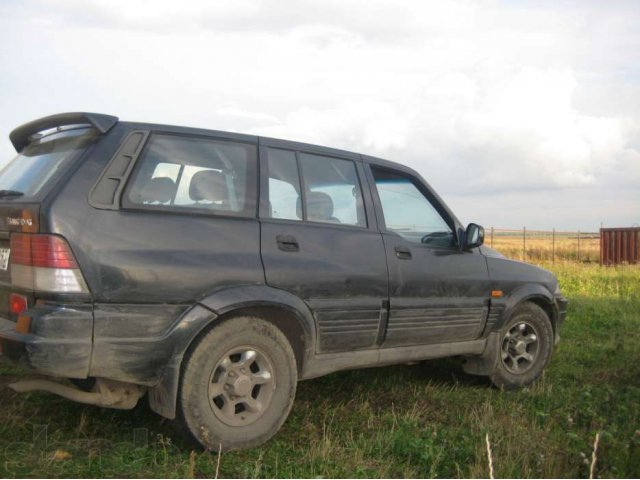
{"x": 485, "y": 363}
{"x": 163, "y": 397}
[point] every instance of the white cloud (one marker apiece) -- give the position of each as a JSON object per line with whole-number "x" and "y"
{"x": 361, "y": 126}
{"x": 480, "y": 97}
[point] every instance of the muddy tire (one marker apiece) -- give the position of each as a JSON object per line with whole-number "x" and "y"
{"x": 237, "y": 385}
{"x": 525, "y": 348}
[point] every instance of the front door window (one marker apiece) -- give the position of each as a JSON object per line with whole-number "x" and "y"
{"x": 408, "y": 212}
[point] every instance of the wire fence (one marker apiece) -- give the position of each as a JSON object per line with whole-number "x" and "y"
{"x": 545, "y": 245}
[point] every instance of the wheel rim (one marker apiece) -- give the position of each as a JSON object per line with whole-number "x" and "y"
{"x": 241, "y": 386}
{"x": 520, "y": 348}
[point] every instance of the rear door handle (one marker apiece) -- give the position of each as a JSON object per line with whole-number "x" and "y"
{"x": 403, "y": 253}
{"x": 287, "y": 243}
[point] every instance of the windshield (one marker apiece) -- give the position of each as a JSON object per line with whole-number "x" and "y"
{"x": 42, "y": 160}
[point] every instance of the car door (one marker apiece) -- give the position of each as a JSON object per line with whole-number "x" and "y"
{"x": 318, "y": 243}
{"x": 438, "y": 292}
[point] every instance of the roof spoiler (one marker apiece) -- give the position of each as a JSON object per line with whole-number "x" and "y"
{"x": 20, "y": 136}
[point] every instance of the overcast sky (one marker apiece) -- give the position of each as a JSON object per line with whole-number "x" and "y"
{"x": 517, "y": 113}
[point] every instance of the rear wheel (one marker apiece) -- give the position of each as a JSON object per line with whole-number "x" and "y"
{"x": 525, "y": 348}
{"x": 238, "y": 384}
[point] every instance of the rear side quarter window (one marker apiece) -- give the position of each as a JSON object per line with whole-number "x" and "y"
{"x": 186, "y": 173}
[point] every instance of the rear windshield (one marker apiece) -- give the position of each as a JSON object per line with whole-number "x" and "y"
{"x": 42, "y": 160}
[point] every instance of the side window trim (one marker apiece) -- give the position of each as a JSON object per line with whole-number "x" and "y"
{"x": 382, "y": 227}
{"x": 252, "y": 194}
{"x": 368, "y": 192}
{"x": 371, "y": 222}
{"x": 106, "y": 193}
{"x": 303, "y": 187}
{"x": 263, "y": 182}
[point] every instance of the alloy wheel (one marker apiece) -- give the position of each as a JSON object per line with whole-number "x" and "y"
{"x": 520, "y": 347}
{"x": 241, "y": 386}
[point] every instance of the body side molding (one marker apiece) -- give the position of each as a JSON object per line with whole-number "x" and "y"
{"x": 334, "y": 362}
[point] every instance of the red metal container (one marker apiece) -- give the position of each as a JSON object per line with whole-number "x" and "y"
{"x": 619, "y": 245}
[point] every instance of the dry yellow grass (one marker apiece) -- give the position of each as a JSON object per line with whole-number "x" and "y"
{"x": 540, "y": 246}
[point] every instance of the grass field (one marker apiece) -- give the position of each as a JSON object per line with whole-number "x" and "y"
{"x": 424, "y": 420}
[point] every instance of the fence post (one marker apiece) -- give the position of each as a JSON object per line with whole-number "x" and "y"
{"x": 553, "y": 246}
{"x": 578, "y": 245}
{"x": 524, "y": 244}
{"x": 491, "y": 237}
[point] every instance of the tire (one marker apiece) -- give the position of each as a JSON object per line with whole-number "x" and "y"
{"x": 525, "y": 348}
{"x": 237, "y": 385}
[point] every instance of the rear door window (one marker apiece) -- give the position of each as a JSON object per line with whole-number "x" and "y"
{"x": 332, "y": 191}
{"x": 194, "y": 173}
{"x": 43, "y": 160}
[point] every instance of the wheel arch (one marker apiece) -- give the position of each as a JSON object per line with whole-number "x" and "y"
{"x": 281, "y": 308}
{"x": 283, "y": 317}
{"x": 284, "y": 310}
{"x": 485, "y": 363}
{"x": 535, "y": 294}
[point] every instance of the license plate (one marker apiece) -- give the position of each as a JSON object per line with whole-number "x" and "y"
{"x": 4, "y": 258}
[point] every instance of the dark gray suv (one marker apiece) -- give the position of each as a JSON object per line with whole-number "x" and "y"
{"x": 214, "y": 270}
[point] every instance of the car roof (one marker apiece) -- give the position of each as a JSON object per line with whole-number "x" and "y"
{"x": 265, "y": 141}
{"x": 103, "y": 123}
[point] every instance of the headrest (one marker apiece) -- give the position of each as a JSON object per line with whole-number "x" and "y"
{"x": 159, "y": 189}
{"x": 209, "y": 185}
{"x": 319, "y": 207}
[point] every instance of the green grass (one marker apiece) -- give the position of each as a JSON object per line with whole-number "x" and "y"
{"x": 425, "y": 420}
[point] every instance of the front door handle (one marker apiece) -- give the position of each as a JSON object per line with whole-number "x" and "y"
{"x": 403, "y": 253}
{"x": 287, "y": 243}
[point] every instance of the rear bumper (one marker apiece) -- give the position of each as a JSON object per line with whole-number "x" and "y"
{"x": 58, "y": 343}
{"x": 125, "y": 343}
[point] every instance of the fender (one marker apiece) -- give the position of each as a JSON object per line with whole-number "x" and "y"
{"x": 163, "y": 396}
{"x": 524, "y": 293}
{"x": 501, "y": 309}
{"x": 485, "y": 363}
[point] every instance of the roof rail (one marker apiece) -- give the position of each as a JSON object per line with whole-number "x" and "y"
{"x": 20, "y": 136}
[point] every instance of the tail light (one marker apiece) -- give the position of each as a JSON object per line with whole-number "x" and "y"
{"x": 17, "y": 303}
{"x": 44, "y": 263}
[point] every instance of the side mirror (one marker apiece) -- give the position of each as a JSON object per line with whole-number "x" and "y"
{"x": 473, "y": 236}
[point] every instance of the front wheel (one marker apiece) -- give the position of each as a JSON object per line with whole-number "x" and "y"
{"x": 526, "y": 345}
{"x": 238, "y": 384}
